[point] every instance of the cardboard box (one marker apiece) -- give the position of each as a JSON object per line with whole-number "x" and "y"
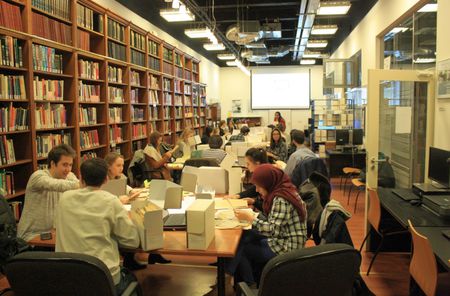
{"x": 200, "y": 224}
{"x": 148, "y": 218}
{"x": 166, "y": 194}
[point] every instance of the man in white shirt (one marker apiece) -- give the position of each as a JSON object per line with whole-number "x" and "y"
{"x": 92, "y": 221}
{"x": 44, "y": 188}
{"x": 214, "y": 151}
{"x": 302, "y": 152}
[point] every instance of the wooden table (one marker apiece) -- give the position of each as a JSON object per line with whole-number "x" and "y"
{"x": 223, "y": 246}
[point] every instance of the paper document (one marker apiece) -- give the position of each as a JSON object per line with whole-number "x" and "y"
{"x": 221, "y": 203}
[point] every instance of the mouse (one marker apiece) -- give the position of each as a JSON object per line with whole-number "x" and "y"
{"x": 415, "y": 202}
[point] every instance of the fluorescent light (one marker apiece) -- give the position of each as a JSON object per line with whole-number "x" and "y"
{"x": 324, "y": 29}
{"x": 242, "y": 67}
{"x": 398, "y": 30}
{"x": 198, "y": 33}
{"x": 213, "y": 39}
{"x": 317, "y": 44}
{"x": 231, "y": 63}
{"x": 312, "y": 54}
{"x": 333, "y": 8}
{"x": 255, "y": 45}
{"x": 212, "y": 46}
{"x": 430, "y": 7}
{"x": 176, "y": 4}
{"x": 308, "y": 62}
{"x": 424, "y": 60}
{"x": 177, "y": 15}
{"x": 226, "y": 56}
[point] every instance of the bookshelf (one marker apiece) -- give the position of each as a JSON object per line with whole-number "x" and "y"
{"x": 85, "y": 76}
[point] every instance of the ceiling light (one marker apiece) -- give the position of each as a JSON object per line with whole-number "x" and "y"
{"x": 198, "y": 33}
{"x": 333, "y": 8}
{"x": 308, "y": 62}
{"x": 213, "y": 39}
{"x": 398, "y": 30}
{"x": 255, "y": 45}
{"x": 242, "y": 67}
{"x": 231, "y": 63}
{"x": 226, "y": 56}
{"x": 312, "y": 54}
{"x": 424, "y": 60}
{"x": 177, "y": 15}
{"x": 430, "y": 7}
{"x": 317, "y": 44}
{"x": 176, "y": 4}
{"x": 324, "y": 29}
{"x": 212, "y": 46}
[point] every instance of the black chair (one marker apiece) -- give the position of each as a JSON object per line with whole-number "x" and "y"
{"x": 63, "y": 274}
{"x": 329, "y": 269}
{"x": 306, "y": 167}
{"x": 199, "y": 162}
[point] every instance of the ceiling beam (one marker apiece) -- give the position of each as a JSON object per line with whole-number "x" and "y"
{"x": 253, "y": 5}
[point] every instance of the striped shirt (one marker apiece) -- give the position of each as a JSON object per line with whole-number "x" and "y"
{"x": 283, "y": 228}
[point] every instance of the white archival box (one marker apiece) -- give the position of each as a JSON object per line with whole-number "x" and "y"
{"x": 165, "y": 194}
{"x": 200, "y": 224}
{"x": 197, "y": 139}
{"x": 239, "y": 147}
{"x": 150, "y": 226}
{"x": 234, "y": 174}
{"x": 203, "y": 147}
{"x": 116, "y": 187}
{"x": 214, "y": 177}
{"x": 188, "y": 182}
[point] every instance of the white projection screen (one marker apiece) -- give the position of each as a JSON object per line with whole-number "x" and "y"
{"x": 280, "y": 88}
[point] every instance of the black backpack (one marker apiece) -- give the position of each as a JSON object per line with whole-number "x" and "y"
{"x": 10, "y": 244}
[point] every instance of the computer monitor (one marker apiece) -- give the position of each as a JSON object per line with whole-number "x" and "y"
{"x": 342, "y": 137}
{"x": 357, "y": 136}
{"x": 439, "y": 166}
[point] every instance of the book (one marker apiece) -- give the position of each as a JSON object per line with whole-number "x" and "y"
{"x": 13, "y": 119}
{"x": 139, "y": 130}
{"x": 116, "y": 134}
{"x": 7, "y": 150}
{"x": 137, "y": 113}
{"x": 89, "y": 69}
{"x": 154, "y": 63}
{"x": 116, "y": 51}
{"x": 50, "y": 116}
{"x": 89, "y": 19}
{"x": 115, "y": 94}
{"x": 12, "y": 87}
{"x": 89, "y": 139}
{"x": 11, "y": 52}
{"x": 135, "y": 78}
{"x": 115, "y": 115}
{"x": 47, "y": 59}
{"x": 88, "y": 92}
{"x": 10, "y": 16}
{"x": 46, "y": 142}
{"x": 59, "y": 8}
{"x": 115, "y": 74}
{"x": 47, "y": 89}
{"x": 51, "y": 29}
{"x": 88, "y": 115}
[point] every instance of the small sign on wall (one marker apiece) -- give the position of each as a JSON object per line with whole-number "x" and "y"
{"x": 236, "y": 106}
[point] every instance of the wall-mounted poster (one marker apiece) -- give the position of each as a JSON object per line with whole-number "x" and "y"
{"x": 443, "y": 79}
{"x": 236, "y": 106}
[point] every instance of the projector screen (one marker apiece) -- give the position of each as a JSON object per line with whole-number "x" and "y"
{"x": 280, "y": 88}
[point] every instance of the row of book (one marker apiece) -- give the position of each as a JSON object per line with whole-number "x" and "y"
{"x": 137, "y": 40}
{"x": 47, "y": 89}
{"x": 46, "y": 59}
{"x": 137, "y": 114}
{"x": 139, "y": 130}
{"x": 51, "y": 29}
{"x": 187, "y": 101}
{"x": 167, "y": 68}
{"x": 154, "y": 64}
{"x": 187, "y": 75}
{"x": 59, "y": 8}
{"x": 178, "y": 125}
{"x": 178, "y": 100}
{"x": 137, "y": 58}
{"x": 89, "y": 139}
{"x": 137, "y": 145}
{"x": 10, "y": 16}
{"x": 153, "y": 48}
{"x": 50, "y": 116}
{"x": 46, "y": 142}
{"x": 7, "y": 182}
{"x": 115, "y": 115}
{"x": 168, "y": 54}
{"x": 88, "y": 116}
{"x": 202, "y": 91}
{"x": 7, "y": 150}
{"x": 115, "y": 74}
{"x": 115, "y": 94}
{"x": 167, "y": 84}
{"x": 116, "y": 51}
{"x": 116, "y": 30}
{"x": 167, "y": 98}
{"x": 187, "y": 89}
{"x": 178, "y": 60}
{"x": 84, "y": 40}
{"x": 11, "y": 52}
{"x": 153, "y": 113}
{"x": 166, "y": 112}
{"x": 88, "y": 155}
{"x": 177, "y": 86}
{"x": 88, "y": 92}
{"x": 13, "y": 119}
{"x": 154, "y": 98}
{"x": 88, "y": 19}
{"x": 179, "y": 72}
{"x": 153, "y": 81}
{"x": 167, "y": 128}
{"x": 134, "y": 96}
{"x": 12, "y": 87}
{"x": 178, "y": 112}
{"x": 115, "y": 134}
{"x": 88, "y": 69}
{"x": 135, "y": 79}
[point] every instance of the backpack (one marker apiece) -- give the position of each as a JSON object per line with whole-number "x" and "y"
{"x": 10, "y": 244}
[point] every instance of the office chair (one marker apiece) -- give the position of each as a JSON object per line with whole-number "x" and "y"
{"x": 68, "y": 274}
{"x": 423, "y": 267}
{"x": 321, "y": 270}
{"x": 199, "y": 162}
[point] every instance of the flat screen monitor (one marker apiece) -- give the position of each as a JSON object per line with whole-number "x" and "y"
{"x": 439, "y": 166}
{"x": 342, "y": 137}
{"x": 357, "y": 136}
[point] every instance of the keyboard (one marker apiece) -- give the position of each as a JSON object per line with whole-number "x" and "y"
{"x": 406, "y": 194}
{"x": 175, "y": 220}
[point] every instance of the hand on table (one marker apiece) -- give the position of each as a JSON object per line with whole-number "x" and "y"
{"x": 232, "y": 196}
{"x": 244, "y": 216}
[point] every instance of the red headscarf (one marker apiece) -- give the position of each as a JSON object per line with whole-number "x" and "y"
{"x": 277, "y": 183}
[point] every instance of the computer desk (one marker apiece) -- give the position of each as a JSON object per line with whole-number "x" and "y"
{"x": 223, "y": 246}
{"x": 425, "y": 222}
{"x": 337, "y": 160}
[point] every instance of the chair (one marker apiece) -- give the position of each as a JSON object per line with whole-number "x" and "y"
{"x": 50, "y": 273}
{"x": 320, "y": 270}
{"x": 360, "y": 186}
{"x": 199, "y": 162}
{"x": 374, "y": 218}
{"x": 139, "y": 171}
{"x": 306, "y": 167}
{"x": 349, "y": 172}
{"x": 423, "y": 267}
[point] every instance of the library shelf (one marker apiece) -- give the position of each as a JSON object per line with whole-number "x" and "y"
{"x": 13, "y": 101}
{"x": 139, "y": 138}
{"x": 121, "y": 122}
{"x": 90, "y": 31}
{"x": 19, "y": 162}
{"x": 48, "y": 129}
{"x": 92, "y": 125}
{"x": 116, "y": 41}
{"x": 91, "y": 80}
{"x": 91, "y": 103}
{"x": 117, "y": 83}
{"x": 139, "y": 104}
{"x": 14, "y": 132}
{"x": 18, "y": 192}
{"x": 137, "y": 86}
{"x": 92, "y": 148}
{"x": 45, "y": 73}
{"x": 139, "y": 121}
{"x": 40, "y": 11}
{"x": 54, "y": 101}
{"x": 11, "y": 68}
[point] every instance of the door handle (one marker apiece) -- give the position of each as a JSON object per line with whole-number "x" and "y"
{"x": 374, "y": 160}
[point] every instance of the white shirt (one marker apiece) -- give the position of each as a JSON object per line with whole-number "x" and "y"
{"x": 94, "y": 222}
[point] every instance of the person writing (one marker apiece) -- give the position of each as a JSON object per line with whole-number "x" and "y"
{"x": 283, "y": 231}
{"x": 43, "y": 191}
{"x": 278, "y": 148}
{"x": 155, "y": 160}
{"x": 279, "y": 122}
{"x": 223, "y": 128}
{"x": 80, "y": 214}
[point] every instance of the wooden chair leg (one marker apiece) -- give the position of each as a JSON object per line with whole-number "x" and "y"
{"x": 347, "y": 177}
{"x": 348, "y": 196}
{"x": 356, "y": 200}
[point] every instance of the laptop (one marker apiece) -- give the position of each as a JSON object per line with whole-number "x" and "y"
{"x": 117, "y": 187}
{"x": 405, "y": 194}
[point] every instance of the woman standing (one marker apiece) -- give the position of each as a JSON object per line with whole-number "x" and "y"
{"x": 279, "y": 122}
{"x": 278, "y": 148}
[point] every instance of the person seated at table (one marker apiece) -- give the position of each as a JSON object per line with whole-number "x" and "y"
{"x": 283, "y": 231}
{"x": 277, "y": 148}
{"x": 223, "y": 128}
{"x": 302, "y": 152}
{"x": 80, "y": 214}
{"x": 206, "y": 134}
{"x": 214, "y": 151}
{"x": 241, "y": 136}
{"x": 155, "y": 160}
{"x": 43, "y": 191}
{"x": 184, "y": 146}
{"x": 291, "y": 147}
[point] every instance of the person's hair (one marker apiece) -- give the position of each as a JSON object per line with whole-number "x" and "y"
{"x": 222, "y": 122}
{"x": 185, "y": 132}
{"x": 245, "y": 130}
{"x": 215, "y": 142}
{"x": 208, "y": 130}
{"x": 111, "y": 157}
{"x": 272, "y": 142}
{"x": 216, "y": 132}
{"x": 279, "y": 114}
{"x": 298, "y": 137}
{"x": 58, "y": 151}
{"x": 154, "y": 137}
{"x": 94, "y": 171}
{"x": 257, "y": 155}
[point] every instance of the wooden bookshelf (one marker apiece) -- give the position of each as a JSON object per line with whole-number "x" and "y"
{"x": 90, "y": 32}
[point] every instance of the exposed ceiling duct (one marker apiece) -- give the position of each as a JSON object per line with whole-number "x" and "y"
{"x": 244, "y": 32}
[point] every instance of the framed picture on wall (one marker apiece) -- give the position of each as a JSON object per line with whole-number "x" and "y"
{"x": 443, "y": 78}
{"x": 236, "y": 106}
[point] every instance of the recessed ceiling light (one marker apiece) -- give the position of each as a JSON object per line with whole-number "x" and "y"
{"x": 232, "y": 63}
{"x": 333, "y": 7}
{"x": 212, "y": 46}
{"x": 226, "y": 56}
{"x": 308, "y": 62}
{"x": 317, "y": 44}
{"x": 324, "y": 29}
{"x": 198, "y": 32}
{"x": 430, "y": 7}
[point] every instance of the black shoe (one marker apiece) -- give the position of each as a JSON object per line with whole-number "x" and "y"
{"x": 131, "y": 264}
{"x": 157, "y": 258}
